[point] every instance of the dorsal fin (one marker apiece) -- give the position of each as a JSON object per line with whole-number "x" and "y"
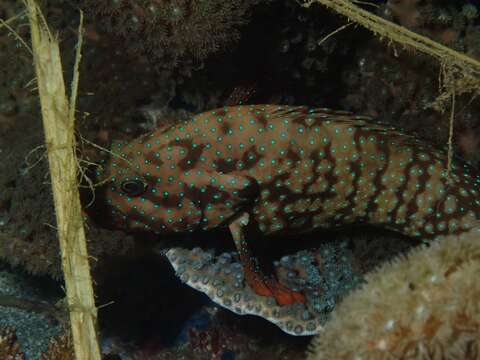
{"x": 309, "y": 116}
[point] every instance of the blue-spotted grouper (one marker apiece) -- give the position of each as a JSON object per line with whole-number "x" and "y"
{"x": 287, "y": 170}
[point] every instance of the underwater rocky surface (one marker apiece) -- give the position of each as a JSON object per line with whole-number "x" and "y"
{"x": 146, "y": 63}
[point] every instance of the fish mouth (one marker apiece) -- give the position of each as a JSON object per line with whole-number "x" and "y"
{"x": 129, "y": 222}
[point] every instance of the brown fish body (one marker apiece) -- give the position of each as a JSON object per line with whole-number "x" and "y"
{"x": 294, "y": 169}
{"x": 284, "y": 170}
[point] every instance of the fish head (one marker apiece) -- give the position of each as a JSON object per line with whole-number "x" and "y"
{"x": 143, "y": 192}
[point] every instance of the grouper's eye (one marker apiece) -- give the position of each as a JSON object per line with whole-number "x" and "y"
{"x": 133, "y": 187}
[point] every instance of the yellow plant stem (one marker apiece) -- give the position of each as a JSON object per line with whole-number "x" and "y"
{"x": 401, "y": 35}
{"x": 60, "y": 142}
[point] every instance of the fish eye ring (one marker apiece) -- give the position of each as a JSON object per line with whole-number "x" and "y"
{"x": 134, "y": 187}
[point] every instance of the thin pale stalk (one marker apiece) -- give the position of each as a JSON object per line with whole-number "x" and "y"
{"x": 60, "y": 142}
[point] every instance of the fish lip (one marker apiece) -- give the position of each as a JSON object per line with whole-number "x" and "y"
{"x": 120, "y": 220}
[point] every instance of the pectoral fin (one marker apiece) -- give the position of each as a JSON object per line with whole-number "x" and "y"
{"x": 221, "y": 196}
{"x": 260, "y": 283}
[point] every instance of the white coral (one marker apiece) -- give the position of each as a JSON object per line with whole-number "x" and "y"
{"x": 430, "y": 319}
